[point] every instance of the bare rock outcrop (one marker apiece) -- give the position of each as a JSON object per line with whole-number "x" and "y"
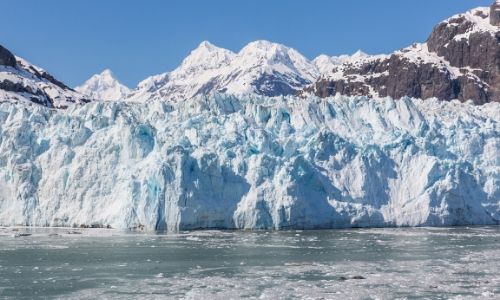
{"x": 6, "y": 58}
{"x": 21, "y": 81}
{"x": 460, "y": 60}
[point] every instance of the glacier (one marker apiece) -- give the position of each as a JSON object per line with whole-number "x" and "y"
{"x": 251, "y": 162}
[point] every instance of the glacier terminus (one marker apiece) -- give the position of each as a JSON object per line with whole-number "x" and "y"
{"x": 263, "y": 138}
{"x": 301, "y": 155}
{"x": 251, "y": 162}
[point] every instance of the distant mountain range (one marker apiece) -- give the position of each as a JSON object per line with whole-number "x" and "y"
{"x": 460, "y": 60}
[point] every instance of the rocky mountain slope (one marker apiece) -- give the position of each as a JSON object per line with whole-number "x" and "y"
{"x": 251, "y": 162}
{"x": 104, "y": 86}
{"x": 460, "y": 60}
{"x": 21, "y": 81}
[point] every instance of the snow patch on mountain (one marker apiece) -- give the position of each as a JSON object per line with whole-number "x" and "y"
{"x": 478, "y": 17}
{"x": 333, "y": 67}
{"x": 419, "y": 53}
{"x": 25, "y": 82}
{"x": 325, "y": 64}
{"x": 104, "y": 86}
{"x": 251, "y": 162}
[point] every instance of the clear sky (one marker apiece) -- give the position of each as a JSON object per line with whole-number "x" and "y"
{"x": 75, "y": 39}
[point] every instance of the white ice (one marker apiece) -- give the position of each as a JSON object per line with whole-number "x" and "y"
{"x": 251, "y": 162}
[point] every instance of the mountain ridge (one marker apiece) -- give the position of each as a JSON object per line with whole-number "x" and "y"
{"x": 422, "y": 70}
{"x": 460, "y": 60}
{"x": 261, "y": 67}
{"x": 21, "y": 81}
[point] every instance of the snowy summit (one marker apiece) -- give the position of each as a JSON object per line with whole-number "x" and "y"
{"x": 445, "y": 60}
{"x": 260, "y": 68}
{"x": 104, "y": 86}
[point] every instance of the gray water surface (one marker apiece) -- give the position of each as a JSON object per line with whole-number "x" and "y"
{"x": 330, "y": 264}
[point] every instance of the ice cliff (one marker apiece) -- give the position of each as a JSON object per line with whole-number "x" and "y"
{"x": 251, "y": 162}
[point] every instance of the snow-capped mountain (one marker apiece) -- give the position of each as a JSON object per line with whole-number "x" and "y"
{"x": 104, "y": 86}
{"x": 326, "y": 64}
{"x": 261, "y": 68}
{"x": 269, "y": 69}
{"x": 251, "y": 162}
{"x": 196, "y": 70}
{"x": 21, "y": 81}
{"x": 460, "y": 60}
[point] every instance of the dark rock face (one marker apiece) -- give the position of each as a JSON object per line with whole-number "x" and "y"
{"x": 475, "y": 56}
{"x": 406, "y": 78}
{"x": 48, "y": 77}
{"x": 479, "y": 51}
{"x": 27, "y": 82}
{"x": 6, "y": 58}
{"x": 400, "y": 78}
{"x": 495, "y": 14}
{"x": 38, "y": 96}
{"x": 51, "y": 79}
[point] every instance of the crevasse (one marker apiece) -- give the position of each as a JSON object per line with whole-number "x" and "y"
{"x": 251, "y": 162}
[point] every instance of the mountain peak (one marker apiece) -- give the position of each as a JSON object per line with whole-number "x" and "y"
{"x": 106, "y": 77}
{"x": 324, "y": 63}
{"x": 206, "y": 48}
{"x": 6, "y": 58}
{"x": 107, "y": 73}
{"x": 263, "y": 46}
{"x": 207, "y": 56}
{"x": 104, "y": 86}
{"x": 322, "y": 57}
{"x": 207, "y": 45}
{"x": 359, "y": 54}
{"x": 263, "y": 52}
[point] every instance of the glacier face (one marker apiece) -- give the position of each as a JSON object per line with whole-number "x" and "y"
{"x": 251, "y": 162}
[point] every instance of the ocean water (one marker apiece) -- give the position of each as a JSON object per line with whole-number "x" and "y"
{"x": 434, "y": 263}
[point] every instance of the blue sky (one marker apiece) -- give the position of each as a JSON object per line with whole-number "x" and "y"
{"x": 75, "y": 39}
